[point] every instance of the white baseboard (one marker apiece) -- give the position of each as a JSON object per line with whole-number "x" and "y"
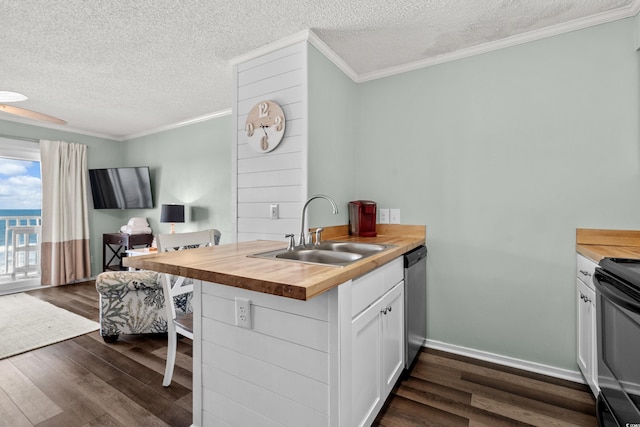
{"x": 538, "y": 368}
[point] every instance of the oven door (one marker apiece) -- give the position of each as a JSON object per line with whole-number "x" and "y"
{"x": 618, "y": 332}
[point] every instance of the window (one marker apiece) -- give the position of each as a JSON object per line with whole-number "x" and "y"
{"x": 20, "y": 214}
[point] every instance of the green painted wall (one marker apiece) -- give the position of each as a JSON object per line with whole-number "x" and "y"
{"x": 332, "y": 133}
{"x": 503, "y": 155}
{"x": 100, "y": 153}
{"x": 189, "y": 165}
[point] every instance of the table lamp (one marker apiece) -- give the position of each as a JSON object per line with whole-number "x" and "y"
{"x": 172, "y": 213}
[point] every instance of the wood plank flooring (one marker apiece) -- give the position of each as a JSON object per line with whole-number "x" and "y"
{"x": 443, "y": 389}
{"x": 85, "y": 382}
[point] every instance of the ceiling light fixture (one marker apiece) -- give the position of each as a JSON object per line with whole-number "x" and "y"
{"x": 23, "y": 112}
{"x": 8, "y": 96}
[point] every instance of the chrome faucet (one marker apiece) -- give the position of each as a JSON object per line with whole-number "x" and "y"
{"x": 304, "y": 209}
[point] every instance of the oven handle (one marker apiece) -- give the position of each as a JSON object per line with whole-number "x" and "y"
{"x": 601, "y": 278}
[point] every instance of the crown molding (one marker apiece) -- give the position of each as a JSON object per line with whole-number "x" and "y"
{"x": 271, "y": 47}
{"x": 188, "y": 122}
{"x": 63, "y": 128}
{"x": 305, "y": 35}
{"x": 312, "y": 38}
{"x": 577, "y": 24}
{"x": 308, "y": 35}
{"x": 319, "y": 44}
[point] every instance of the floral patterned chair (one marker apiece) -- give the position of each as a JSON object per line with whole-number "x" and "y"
{"x": 132, "y": 302}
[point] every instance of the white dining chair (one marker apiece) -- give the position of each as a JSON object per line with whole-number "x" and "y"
{"x": 177, "y": 288}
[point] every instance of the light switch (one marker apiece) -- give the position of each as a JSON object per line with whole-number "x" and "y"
{"x": 274, "y": 211}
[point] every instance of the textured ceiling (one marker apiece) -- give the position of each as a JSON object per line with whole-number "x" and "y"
{"x": 119, "y": 68}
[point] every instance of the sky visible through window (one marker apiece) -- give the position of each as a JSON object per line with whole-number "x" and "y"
{"x": 20, "y": 184}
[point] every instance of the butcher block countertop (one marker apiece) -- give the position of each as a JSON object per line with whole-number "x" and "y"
{"x": 596, "y": 244}
{"x": 229, "y": 264}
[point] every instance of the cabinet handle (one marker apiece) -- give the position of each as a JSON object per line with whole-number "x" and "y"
{"x": 585, "y": 273}
{"x": 386, "y": 310}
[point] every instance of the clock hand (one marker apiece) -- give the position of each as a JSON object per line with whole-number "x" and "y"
{"x": 263, "y": 129}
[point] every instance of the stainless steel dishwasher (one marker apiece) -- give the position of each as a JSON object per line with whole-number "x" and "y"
{"x": 415, "y": 303}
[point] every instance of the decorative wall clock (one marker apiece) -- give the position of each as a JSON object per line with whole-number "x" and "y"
{"x": 265, "y": 126}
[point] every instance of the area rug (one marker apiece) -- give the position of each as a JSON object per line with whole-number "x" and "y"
{"x": 27, "y": 323}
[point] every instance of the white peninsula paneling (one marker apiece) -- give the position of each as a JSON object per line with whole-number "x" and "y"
{"x": 275, "y": 373}
{"x": 279, "y": 176}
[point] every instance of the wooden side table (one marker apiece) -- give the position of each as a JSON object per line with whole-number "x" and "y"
{"x": 115, "y": 246}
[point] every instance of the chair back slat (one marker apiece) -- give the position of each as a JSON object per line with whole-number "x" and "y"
{"x": 190, "y": 240}
{"x": 174, "y": 286}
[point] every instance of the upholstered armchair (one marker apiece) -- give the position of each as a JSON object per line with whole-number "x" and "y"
{"x": 132, "y": 302}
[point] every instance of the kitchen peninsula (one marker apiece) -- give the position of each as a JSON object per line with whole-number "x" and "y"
{"x": 315, "y": 333}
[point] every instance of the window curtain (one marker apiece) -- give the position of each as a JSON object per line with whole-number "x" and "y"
{"x": 65, "y": 219}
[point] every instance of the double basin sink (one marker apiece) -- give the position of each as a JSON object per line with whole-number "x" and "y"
{"x": 332, "y": 253}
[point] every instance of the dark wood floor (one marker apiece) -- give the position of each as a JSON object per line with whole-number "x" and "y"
{"x": 85, "y": 382}
{"x": 444, "y": 389}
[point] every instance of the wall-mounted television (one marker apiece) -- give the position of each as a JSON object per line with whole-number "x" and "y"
{"x": 121, "y": 188}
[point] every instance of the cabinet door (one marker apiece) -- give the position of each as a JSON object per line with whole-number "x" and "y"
{"x": 366, "y": 373}
{"x": 586, "y": 333}
{"x": 392, "y": 336}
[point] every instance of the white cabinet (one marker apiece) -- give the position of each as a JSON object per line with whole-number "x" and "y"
{"x": 366, "y": 385}
{"x": 377, "y": 345}
{"x": 586, "y": 323}
{"x": 329, "y": 361}
{"x": 392, "y": 333}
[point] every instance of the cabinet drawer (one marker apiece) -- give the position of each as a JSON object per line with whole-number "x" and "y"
{"x": 140, "y": 239}
{"x": 368, "y": 288}
{"x": 114, "y": 239}
{"x": 585, "y": 270}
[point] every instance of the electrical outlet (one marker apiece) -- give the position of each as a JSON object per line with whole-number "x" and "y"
{"x": 243, "y": 312}
{"x": 394, "y": 216}
{"x": 274, "y": 211}
{"x": 384, "y": 216}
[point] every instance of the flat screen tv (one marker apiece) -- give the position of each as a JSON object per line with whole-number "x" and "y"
{"x": 121, "y": 188}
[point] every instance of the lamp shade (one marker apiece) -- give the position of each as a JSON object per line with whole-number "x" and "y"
{"x": 172, "y": 213}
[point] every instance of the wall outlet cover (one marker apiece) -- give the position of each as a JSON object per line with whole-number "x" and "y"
{"x": 394, "y": 216}
{"x": 274, "y": 211}
{"x": 384, "y": 216}
{"x": 243, "y": 312}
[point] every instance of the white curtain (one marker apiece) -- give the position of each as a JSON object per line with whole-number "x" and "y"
{"x": 65, "y": 220}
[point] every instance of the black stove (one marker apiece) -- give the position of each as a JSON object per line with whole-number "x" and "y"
{"x": 617, "y": 282}
{"x": 627, "y": 269}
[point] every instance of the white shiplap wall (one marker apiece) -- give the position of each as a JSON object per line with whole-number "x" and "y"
{"x": 280, "y": 176}
{"x": 277, "y": 373}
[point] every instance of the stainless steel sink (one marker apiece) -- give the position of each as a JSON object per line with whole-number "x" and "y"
{"x": 319, "y": 256}
{"x": 354, "y": 247}
{"x": 336, "y": 254}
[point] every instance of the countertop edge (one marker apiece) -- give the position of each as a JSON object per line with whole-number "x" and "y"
{"x": 596, "y": 244}
{"x": 316, "y": 279}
